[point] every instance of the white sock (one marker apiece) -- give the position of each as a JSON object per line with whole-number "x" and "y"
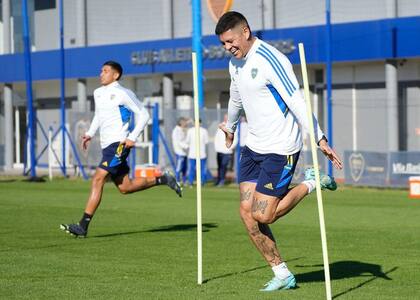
{"x": 281, "y": 271}
{"x": 310, "y": 184}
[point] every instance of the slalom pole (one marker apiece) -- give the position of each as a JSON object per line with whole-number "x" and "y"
{"x": 316, "y": 167}
{"x": 198, "y": 173}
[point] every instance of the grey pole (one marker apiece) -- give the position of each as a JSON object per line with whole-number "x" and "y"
{"x": 81, "y": 40}
{"x": 167, "y": 80}
{"x": 391, "y": 83}
{"x": 168, "y": 91}
{"x": 7, "y": 91}
{"x": 81, "y": 95}
{"x": 6, "y": 26}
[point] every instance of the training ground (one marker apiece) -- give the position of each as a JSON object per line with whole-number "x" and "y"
{"x": 143, "y": 246}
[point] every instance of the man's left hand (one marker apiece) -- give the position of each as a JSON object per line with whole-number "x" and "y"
{"x": 129, "y": 143}
{"x": 330, "y": 154}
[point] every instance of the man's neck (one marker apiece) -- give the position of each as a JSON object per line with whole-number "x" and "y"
{"x": 250, "y": 44}
{"x": 111, "y": 83}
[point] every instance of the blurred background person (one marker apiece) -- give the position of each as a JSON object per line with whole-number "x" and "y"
{"x": 190, "y": 145}
{"x": 179, "y": 135}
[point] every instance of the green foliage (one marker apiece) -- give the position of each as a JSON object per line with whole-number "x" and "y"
{"x": 143, "y": 245}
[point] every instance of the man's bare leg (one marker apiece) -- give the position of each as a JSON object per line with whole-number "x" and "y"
{"x": 267, "y": 209}
{"x": 260, "y": 234}
{"x": 127, "y": 185}
{"x": 95, "y": 197}
{"x": 263, "y": 239}
{"x": 96, "y": 189}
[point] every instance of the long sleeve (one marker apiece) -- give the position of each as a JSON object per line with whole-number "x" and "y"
{"x": 284, "y": 81}
{"x": 234, "y": 108}
{"x": 94, "y": 125}
{"x": 140, "y": 112}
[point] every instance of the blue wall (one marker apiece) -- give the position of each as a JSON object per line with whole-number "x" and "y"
{"x": 358, "y": 41}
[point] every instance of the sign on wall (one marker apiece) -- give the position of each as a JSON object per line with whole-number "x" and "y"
{"x": 365, "y": 168}
{"x": 380, "y": 169}
{"x": 402, "y": 165}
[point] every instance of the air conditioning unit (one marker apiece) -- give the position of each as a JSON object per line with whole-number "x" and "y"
{"x": 184, "y": 102}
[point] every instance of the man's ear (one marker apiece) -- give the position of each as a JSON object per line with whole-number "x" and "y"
{"x": 247, "y": 32}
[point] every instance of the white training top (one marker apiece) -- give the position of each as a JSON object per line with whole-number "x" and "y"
{"x": 113, "y": 107}
{"x": 264, "y": 85}
{"x": 220, "y": 142}
{"x": 178, "y": 137}
{"x": 244, "y": 133}
{"x": 190, "y": 142}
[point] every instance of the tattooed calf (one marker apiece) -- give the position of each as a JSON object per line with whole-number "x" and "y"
{"x": 245, "y": 196}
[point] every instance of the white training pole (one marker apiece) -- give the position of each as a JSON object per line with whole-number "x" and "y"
{"x": 17, "y": 135}
{"x": 50, "y": 154}
{"x": 316, "y": 167}
{"x": 198, "y": 173}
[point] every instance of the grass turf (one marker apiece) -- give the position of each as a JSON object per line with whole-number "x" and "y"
{"x": 143, "y": 246}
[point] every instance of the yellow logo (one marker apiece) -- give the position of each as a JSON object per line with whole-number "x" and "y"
{"x": 269, "y": 186}
{"x": 105, "y": 163}
{"x": 217, "y": 8}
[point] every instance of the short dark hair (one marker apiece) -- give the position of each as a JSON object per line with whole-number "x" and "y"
{"x": 229, "y": 20}
{"x": 116, "y": 66}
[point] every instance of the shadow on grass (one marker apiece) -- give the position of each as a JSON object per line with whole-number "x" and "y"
{"x": 346, "y": 269}
{"x": 243, "y": 272}
{"x": 169, "y": 228}
{"x": 7, "y": 180}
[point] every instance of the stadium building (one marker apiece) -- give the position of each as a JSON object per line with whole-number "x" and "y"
{"x": 375, "y": 54}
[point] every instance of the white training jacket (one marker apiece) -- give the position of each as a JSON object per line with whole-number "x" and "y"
{"x": 264, "y": 85}
{"x": 189, "y": 142}
{"x": 179, "y": 135}
{"x": 113, "y": 107}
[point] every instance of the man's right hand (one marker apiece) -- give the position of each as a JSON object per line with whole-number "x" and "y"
{"x": 85, "y": 141}
{"x": 228, "y": 136}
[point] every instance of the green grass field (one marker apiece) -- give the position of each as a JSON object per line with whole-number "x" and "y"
{"x": 143, "y": 246}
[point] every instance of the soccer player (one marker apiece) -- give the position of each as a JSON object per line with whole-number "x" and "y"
{"x": 114, "y": 106}
{"x": 179, "y": 134}
{"x": 264, "y": 85}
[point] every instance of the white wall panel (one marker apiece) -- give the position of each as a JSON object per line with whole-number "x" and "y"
{"x": 46, "y": 30}
{"x": 372, "y": 119}
{"x": 408, "y": 8}
{"x": 290, "y": 13}
{"x": 343, "y": 11}
{"x": 183, "y": 18}
{"x": 124, "y": 21}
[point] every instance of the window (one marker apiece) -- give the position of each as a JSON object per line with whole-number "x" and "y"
{"x": 44, "y": 4}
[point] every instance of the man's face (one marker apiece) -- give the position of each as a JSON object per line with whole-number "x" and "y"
{"x": 108, "y": 75}
{"x": 235, "y": 40}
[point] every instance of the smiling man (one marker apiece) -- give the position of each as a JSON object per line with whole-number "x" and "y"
{"x": 264, "y": 86}
{"x": 114, "y": 106}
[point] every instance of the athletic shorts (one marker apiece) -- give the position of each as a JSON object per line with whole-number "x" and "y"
{"x": 114, "y": 159}
{"x": 272, "y": 172}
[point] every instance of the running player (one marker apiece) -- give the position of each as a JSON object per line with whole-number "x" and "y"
{"x": 265, "y": 87}
{"x": 114, "y": 105}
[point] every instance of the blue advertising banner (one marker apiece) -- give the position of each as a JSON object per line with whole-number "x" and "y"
{"x": 402, "y": 165}
{"x": 365, "y": 168}
{"x": 380, "y": 169}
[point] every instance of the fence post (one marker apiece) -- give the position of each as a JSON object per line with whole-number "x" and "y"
{"x": 155, "y": 134}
